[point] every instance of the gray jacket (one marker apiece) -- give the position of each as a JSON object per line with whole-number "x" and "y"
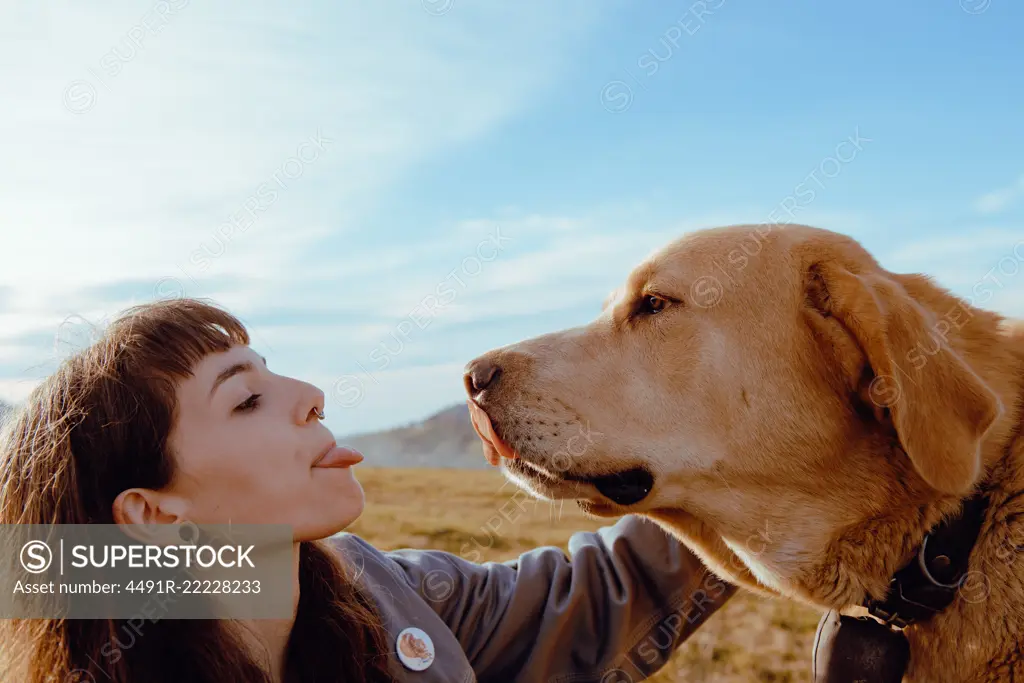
{"x": 613, "y": 611}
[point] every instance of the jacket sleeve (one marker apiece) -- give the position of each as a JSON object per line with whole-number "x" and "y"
{"x": 615, "y": 609}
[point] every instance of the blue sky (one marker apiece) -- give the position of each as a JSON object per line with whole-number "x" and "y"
{"x": 324, "y": 171}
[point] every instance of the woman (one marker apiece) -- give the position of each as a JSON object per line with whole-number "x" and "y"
{"x": 172, "y": 418}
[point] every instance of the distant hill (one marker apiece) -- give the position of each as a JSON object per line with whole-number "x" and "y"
{"x": 445, "y": 440}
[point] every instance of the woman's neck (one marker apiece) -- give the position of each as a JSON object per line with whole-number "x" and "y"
{"x": 267, "y": 639}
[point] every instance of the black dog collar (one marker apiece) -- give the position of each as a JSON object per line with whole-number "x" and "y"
{"x": 848, "y": 649}
{"x": 929, "y": 583}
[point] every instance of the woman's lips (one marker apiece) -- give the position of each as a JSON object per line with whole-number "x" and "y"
{"x": 339, "y": 456}
{"x": 494, "y": 448}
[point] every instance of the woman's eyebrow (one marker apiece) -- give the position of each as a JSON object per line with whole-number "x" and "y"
{"x": 230, "y": 372}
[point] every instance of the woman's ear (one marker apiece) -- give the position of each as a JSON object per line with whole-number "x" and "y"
{"x": 940, "y": 408}
{"x": 137, "y": 511}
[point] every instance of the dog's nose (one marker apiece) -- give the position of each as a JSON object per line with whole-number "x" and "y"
{"x": 482, "y": 373}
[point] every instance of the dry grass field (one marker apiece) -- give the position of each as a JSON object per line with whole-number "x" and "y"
{"x": 750, "y": 639}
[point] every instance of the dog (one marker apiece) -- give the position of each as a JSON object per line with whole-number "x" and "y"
{"x": 797, "y": 415}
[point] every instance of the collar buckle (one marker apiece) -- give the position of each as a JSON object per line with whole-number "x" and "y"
{"x": 927, "y": 585}
{"x": 922, "y": 561}
{"x": 892, "y": 619}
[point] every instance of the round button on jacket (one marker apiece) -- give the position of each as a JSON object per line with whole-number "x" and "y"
{"x": 415, "y": 648}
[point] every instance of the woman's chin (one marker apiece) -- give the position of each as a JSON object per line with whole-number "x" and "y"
{"x": 333, "y": 516}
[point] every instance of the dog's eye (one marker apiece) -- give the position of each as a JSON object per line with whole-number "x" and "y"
{"x": 652, "y": 304}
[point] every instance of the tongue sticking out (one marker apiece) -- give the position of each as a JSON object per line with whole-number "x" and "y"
{"x": 494, "y": 448}
{"x": 341, "y": 457}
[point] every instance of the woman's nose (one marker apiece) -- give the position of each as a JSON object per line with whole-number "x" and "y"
{"x": 311, "y": 405}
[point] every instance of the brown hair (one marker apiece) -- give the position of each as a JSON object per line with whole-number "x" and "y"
{"x": 99, "y": 425}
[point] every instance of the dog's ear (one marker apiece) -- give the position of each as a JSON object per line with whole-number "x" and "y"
{"x": 938, "y": 405}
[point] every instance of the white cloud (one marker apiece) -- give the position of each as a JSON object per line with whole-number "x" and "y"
{"x": 984, "y": 242}
{"x": 175, "y": 134}
{"x": 1000, "y": 199}
{"x": 16, "y": 389}
{"x": 206, "y": 111}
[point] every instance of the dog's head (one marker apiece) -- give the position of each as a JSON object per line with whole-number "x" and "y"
{"x": 774, "y": 382}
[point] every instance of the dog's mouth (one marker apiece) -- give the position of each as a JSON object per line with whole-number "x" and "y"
{"x": 626, "y": 487}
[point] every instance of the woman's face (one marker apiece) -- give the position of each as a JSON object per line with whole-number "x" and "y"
{"x": 245, "y": 444}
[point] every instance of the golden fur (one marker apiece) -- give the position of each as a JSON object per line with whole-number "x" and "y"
{"x": 807, "y": 416}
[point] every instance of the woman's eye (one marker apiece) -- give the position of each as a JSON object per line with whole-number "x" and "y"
{"x": 652, "y": 304}
{"x": 249, "y": 404}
